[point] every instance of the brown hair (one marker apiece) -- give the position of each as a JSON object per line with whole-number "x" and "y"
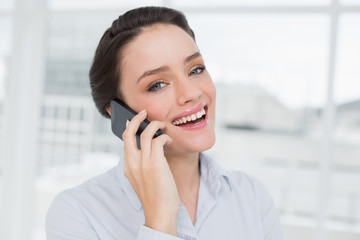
{"x": 105, "y": 71}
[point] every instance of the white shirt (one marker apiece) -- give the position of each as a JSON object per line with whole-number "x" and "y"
{"x": 231, "y": 205}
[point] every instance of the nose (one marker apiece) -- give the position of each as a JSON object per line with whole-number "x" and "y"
{"x": 187, "y": 91}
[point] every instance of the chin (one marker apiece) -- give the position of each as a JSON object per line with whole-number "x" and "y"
{"x": 195, "y": 145}
{"x": 203, "y": 144}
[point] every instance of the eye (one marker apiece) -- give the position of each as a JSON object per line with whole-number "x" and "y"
{"x": 197, "y": 70}
{"x": 156, "y": 86}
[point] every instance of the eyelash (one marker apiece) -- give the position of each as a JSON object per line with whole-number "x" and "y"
{"x": 152, "y": 86}
{"x": 198, "y": 70}
{"x": 201, "y": 68}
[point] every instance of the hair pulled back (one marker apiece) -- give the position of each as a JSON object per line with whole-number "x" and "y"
{"x": 105, "y": 69}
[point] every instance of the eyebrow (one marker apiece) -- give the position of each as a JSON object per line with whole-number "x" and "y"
{"x": 165, "y": 68}
{"x": 191, "y": 57}
{"x": 153, "y": 72}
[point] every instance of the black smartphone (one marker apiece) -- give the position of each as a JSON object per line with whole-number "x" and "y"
{"x": 120, "y": 114}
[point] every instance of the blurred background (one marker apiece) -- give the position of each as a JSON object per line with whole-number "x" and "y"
{"x": 288, "y": 106}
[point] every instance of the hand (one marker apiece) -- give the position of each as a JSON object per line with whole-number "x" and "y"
{"x": 149, "y": 174}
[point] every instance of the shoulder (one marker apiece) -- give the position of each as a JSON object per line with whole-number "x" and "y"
{"x": 237, "y": 180}
{"x": 88, "y": 187}
{"x": 77, "y": 199}
{"x": 241, "y": 184}
{"x": 73, "y": 209}
{"x": 257, "y": 195}
{"x": 248, "y": 185}
{"x": 101, "y": 184}
{"x": 250, "y": 195}
{"x": 244, "y": 181}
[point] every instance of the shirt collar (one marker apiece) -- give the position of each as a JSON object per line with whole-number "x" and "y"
{"x": 212, "y": 174}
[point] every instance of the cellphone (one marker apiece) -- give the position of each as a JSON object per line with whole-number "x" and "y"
{"x": 120, "y": 114}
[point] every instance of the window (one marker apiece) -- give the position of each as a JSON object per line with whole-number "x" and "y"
{"x": 350, "y": 2}
{"x": 345, "y": 197}
{"x": 5, "y": 53}
{"x": 7, "y": 5}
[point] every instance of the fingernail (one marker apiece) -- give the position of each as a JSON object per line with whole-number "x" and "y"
{"x": 127, "y": 122}
{"x": 142, "y": 111}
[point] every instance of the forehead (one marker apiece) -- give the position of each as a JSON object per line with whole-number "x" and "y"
{"x": 161, "y": 44}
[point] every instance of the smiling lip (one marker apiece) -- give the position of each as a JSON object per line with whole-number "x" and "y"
{"x": 203, "y": 123}
{"x": 190, "y": 111}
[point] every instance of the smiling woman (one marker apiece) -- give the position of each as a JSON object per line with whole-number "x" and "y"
{"x": 167, "y": 189}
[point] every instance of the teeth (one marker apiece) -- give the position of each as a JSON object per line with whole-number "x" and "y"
{"x": 184, "y": 120}
{"x": 189, "y": 118}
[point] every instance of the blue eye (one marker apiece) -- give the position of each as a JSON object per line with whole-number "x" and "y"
{"x": 156, "y": 86}
{"x": 197, "y": 70}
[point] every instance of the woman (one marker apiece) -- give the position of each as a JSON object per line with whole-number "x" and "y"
{"x": 148, "y": 58}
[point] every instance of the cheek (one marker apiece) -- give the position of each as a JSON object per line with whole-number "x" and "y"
{"x": 156, "y": 111}
{"x": 158, "y": 106}
{"x": 213, "y": 92}
{"x": 210, "y": 90}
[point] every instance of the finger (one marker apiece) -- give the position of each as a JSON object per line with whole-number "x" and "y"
{"x": 147, "y": 135}
{"x": 158, "y": 144}
{"x": 129, "y": 135}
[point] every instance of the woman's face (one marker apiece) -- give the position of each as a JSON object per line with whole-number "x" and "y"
{"x": 163, "y": 72}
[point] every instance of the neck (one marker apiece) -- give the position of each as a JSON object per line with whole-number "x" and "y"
{"x": 186, "y": 172}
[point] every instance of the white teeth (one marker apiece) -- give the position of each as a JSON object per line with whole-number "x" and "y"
{"x": 184, "y": 119}
{"x": 189, "y": 118}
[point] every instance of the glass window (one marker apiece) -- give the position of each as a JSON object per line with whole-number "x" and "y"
{"x": 71, "y": 45}
{"x": 72, "y": 126}
{"x": 350, "y": 2}
{"x": 6, "y": 5}
{"x": 347, "y": 85}
{"x": 346, "y": 168}
{"x": 282, "y": 55}
{"x": 5, "y": 53}
{"x": 5, "y": 37}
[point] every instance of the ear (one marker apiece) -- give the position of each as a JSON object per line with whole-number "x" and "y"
{"x": 108, "y": 109}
